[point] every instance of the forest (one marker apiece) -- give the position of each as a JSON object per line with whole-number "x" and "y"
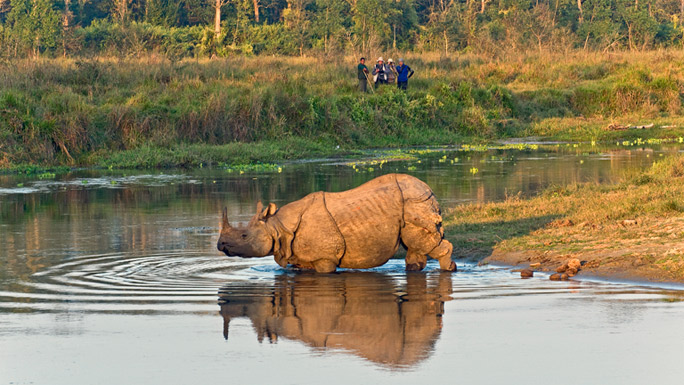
{"x": 207, "y": 28}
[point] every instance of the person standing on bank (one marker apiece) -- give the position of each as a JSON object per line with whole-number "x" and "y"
{"x": 404, "y": 73}
{"x": 362, "y": 75}
{"x": 380, "y": 72}
{"x": 392, "y": 73}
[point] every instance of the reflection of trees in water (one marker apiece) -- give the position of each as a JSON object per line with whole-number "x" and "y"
{"x": 371, "y": 315}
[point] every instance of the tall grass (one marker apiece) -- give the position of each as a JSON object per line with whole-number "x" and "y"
{"x": 63, "y": 110}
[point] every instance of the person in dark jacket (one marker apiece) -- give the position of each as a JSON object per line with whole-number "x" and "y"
{"x": 362, "y": 75}
{"x": 380, "y": 72}
{"x": 404, "y": 73}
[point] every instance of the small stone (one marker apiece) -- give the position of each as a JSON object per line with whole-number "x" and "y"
{"x": 561, "y": 269}
{"x": 535, "y": 265}
{"x": 526, "y": 273}
{"x": 564, "y": 277}
{"x": 571, "y": 272}
{"x": 574, "y": 264}
{"x": 555, "y": 277}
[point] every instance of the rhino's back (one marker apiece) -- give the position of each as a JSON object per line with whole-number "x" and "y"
{"x": 369, "y": 218}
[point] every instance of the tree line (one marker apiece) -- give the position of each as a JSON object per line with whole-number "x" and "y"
{"x": 194, "y": 28}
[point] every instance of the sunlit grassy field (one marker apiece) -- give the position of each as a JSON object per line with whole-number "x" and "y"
{"x": 113, "y": 112}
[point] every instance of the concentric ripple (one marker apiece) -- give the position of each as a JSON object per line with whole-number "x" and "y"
{"x": 169, "y": 282}
{"x": 184, "y": 282}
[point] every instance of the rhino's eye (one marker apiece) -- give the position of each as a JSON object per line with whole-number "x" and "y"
{"x": 244, "y": 236}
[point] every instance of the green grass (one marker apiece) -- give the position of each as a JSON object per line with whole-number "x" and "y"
{"x": 153, "y": 112}
{"x": 201, "y": 155}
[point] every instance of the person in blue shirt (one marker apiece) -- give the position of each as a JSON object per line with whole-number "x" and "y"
{"x": 404, "y": 73}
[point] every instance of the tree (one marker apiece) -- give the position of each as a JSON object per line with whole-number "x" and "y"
{"x": 196, "y": 12}
{"x": 34, "y": 25}
{"x": 328, "y": 23}
{"x": 162, "y": 12}
{"x": 370, "y": 20}
{"x": 120, "y": 10}
{"x": 296, "y": 19}
{"x": 217, "y": 4}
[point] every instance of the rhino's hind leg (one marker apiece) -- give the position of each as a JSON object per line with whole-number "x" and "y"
{"x": 442, "y": 253}
{"x": 415, "y": 261}
{"x": 324, "y": 266}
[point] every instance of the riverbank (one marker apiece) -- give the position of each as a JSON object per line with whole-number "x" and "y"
{"x": 633, "y": 229}
{"x": 154, "y": 112}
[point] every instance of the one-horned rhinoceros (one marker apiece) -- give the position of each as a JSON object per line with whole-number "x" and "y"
{"x": 358, "y": 228}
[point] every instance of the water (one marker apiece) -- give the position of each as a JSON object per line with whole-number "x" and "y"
{"x": 112, "y": 277}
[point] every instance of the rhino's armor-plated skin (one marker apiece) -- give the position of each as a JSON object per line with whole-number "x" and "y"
{"x": 360, "y": 228}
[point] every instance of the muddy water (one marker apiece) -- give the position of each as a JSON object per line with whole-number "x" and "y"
{"x": 112, "y": 277}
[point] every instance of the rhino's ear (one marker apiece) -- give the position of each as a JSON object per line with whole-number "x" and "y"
{"x": 268, "y": 211}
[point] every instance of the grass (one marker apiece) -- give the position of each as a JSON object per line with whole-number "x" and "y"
{"x": 225, "y": 155}
{"x": 155, "y": 112}
{"x": 635, "y": 227}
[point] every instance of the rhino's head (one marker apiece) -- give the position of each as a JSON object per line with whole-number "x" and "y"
{"x": 253, "y": 240}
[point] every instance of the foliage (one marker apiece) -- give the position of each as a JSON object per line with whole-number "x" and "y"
{"x": 298, "y": 27}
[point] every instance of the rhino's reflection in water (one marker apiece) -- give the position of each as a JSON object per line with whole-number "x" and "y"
{"x": 390, "y": 320}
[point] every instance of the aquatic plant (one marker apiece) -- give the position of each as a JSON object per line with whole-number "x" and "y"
{"x": 253, "y": 168}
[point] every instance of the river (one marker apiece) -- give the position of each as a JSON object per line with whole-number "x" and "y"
{"x": 110, "y": 277}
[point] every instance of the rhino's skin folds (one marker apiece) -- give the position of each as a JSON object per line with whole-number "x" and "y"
{"x": 358, "y": 228}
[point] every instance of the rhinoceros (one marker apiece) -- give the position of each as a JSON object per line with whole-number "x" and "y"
{"x": 358, "y": 228}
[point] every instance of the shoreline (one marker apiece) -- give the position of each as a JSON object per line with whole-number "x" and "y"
{"x": 633, "y": 229}
{"x": 601, "y": 278}
{"x": 623, "y": 272}
{"x": 196, "y": 156}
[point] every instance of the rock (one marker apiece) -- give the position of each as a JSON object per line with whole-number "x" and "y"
{"x": 559, "y": 277}
{"x": 561, "y": 269}
{"x": 571, "y": 272}
{"x": 526, "y": 273}
{"x": 535, "y": 265}
{"x": 592, "y": 264}
{"x": 574, "y": 264}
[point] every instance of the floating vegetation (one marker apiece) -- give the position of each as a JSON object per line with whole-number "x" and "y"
{"x": 46, "y": 175}
{"x": 257, "y": 167}
{"x": 474, "y": 170}
{"x": 640, "y": 142}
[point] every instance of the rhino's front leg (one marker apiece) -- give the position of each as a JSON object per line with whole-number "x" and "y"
{"x": 325, "y": 266}
{"x": 442, "y": 253}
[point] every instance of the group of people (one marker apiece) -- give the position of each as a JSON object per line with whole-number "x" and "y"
{"x": 384, "y": 73}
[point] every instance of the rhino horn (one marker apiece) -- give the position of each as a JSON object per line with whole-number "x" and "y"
{"x": 224, "y": 221}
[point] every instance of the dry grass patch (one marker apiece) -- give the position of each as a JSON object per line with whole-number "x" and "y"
{"x": 634, "y": 228}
